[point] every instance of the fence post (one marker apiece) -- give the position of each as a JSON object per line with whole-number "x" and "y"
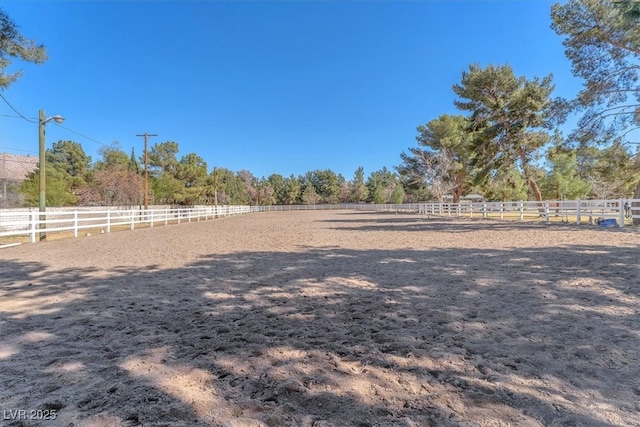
{"x": 166, "y": 216}
{"x": 75, "y": 223}
{"x": 521, "y": 206}
{"x": 133, "y": 219}
{"x": 484, "y": 210}
{"x": 546, "y": 212}
{"x": 578, "y": 212}
{"x": 189, "y": 214}
{"x": 108, "y": 220}
{"x": 621, "y": 212}
{"x": 471, "y": 210}
{"x": 151, "y": 212}
{"x": 501, "y": 210}
{"x": 32, "y": 220}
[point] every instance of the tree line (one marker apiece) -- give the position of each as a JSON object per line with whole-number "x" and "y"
{"x": 438, "y": 171}
{"x": 504, "y": 144}
{"x": 507, "y": 146}
{"x": 118, "y": 178}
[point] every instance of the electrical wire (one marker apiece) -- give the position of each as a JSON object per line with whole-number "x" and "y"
{"x": 16, "y": 111}
{"x": 79, "y": 134}
{"x": 10, "y": 116}
{"x": 4, "y": 147}
{"x": 20, "y": 115}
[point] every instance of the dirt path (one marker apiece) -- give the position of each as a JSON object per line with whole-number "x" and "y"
{"x": 323, "y": 319}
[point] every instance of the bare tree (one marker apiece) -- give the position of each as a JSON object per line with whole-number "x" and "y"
{"x": 432, "y": 169}
{"x": 119, "y": 187}
{"x": 602, "y": 188}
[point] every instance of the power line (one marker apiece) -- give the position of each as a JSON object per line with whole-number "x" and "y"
{"x": 82, "y": 135}
{"x": 20, "y": 115}
{"x": 16, "y": 111}
{"x": 10, "y": 116}
{"x": 4, "y": 147}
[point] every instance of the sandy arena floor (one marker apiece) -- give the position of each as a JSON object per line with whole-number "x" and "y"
{"x": 324, "y": 319}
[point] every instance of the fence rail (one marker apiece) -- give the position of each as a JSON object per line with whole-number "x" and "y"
{"x": 30, "y": 223}
{"x": 571, "y": 211}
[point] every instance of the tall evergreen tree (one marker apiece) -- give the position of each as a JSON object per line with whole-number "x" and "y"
{"x": 192, "y": 170}
{"x": 59, "y": 188}
{"x": 69, "y": 157}
{"x": 134, "y": 166}
{"x": 112, "y": 157}
{"x": 563, "y": 181}
{"x": 506, "y": 185}
{"x": 397, "y": 195}
{"x": 293, "y": 190}
{"x": 327, "y": 184}
{"x": 508, "y": 118}
{"x": 359, "y": 191}
{"x": 163, "y": 157}
{"x": 615, "y": 171}
{"x": 309, "y": 196}
{"x": 14, "y": 45}
{"x": 424, "y": 167}
{"x": 602, "y": 42}
{"x": 380, "y": 185}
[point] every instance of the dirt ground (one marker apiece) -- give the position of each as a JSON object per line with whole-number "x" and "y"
{"x": 324, "y": 319}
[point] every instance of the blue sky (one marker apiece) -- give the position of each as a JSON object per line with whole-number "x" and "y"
{"x": 269, "y": 86}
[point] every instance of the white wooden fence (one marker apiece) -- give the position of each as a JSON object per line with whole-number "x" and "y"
{"x": 569, "y": 211}
{"x": 30, "y": 223}
{"x": 33, "y": 224}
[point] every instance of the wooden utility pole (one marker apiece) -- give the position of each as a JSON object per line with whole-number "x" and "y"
{"x": 146, "y": 169}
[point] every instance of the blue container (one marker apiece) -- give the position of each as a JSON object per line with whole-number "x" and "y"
{"x": 608, "y": 223}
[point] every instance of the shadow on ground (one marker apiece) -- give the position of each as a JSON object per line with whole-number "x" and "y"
{"x": 389, "y": 221}
{"x": 329, "y": 337}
